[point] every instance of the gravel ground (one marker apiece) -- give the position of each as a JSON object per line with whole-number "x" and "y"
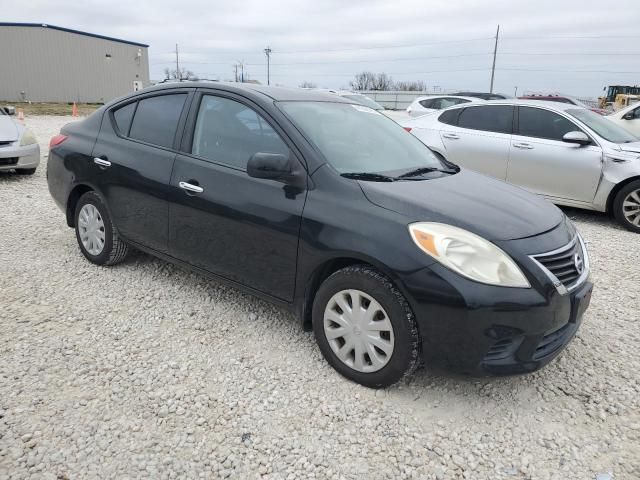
{"x": 147, "y": 371}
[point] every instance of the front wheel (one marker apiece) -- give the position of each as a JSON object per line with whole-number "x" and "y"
{"x": 97, "y": 238}
{"x": 626, "y": 206}
{"x": 365, "y": 328}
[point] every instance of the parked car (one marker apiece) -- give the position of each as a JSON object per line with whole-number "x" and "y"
{"x": 628, "y": 118}
{"x": 19, "y": 149}
{"x": 483, "y": 95}
{"x": 327, "y": 207}
{"x": 428, "y": 104}
{"x": 570, "y": 155}
{"x": 564, "y": 99}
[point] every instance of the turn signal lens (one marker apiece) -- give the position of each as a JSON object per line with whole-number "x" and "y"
{"x": 408, "y": 129}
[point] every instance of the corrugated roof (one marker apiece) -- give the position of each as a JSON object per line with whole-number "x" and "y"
{"x": 69, "y": 30}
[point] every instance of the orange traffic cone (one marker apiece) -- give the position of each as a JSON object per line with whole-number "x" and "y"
{"x": 74, "y": 110}
{"x": 21, "y": 115}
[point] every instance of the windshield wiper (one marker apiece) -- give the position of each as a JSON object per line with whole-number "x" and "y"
{"x": 371, "y": 177}
{"x": 419, "y": 171}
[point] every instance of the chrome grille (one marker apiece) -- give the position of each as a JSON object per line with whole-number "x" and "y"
{"x": 568, "y": 266}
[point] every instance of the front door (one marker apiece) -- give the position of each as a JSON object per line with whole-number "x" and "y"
{"x": 480, "y": 140}
{"x": 542, "y": 163}
{"x": 243, "y": 228}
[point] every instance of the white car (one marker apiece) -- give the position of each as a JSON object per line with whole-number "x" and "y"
{"x": 423, "y": 105}
{"x": 19, "y": 149}
{"x": 570, "y": 155}
{"x": 628, "y": 118}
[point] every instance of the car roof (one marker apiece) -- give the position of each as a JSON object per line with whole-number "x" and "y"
{"x": 275, "y": 93}
{"x": 426, "y": 97}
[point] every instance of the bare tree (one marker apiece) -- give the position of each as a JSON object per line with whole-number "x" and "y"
{"x": 382, "y": 81}
{"x": 372, "y": 81}
{"x": 306, "y": 84}
{"x": 411, "y": 86}
{"x": 363, "y": 81}
{"x": 184, "y": 74}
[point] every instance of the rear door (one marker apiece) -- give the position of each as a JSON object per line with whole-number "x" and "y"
{"x": 242, "y": 228}
{"x": 542, "y": 163}
{"x": 480, "y": 139}
{"x": 133, "y": 158}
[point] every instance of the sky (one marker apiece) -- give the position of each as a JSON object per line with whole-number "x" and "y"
{"x": 574, "y": 47}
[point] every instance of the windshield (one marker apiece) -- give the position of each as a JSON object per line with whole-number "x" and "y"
{"x": 366, "y": 101}
{"x": 602, "y": 126}
{"x": 354, "y": 138}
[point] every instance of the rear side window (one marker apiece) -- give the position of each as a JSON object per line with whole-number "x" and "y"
{"x": 540, "y": 123}
{"x": 123, "y": 117}
{"x": 229, "y": 132}
{"x": 450, "y": 117}
{"x": 489, "y": 118}
{"x": 427, "y": 103}
{"x": 156, "y": 119}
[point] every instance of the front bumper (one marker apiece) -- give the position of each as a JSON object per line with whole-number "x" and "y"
{"x": 13, "y": 156}
{"x": 482, "y": 329}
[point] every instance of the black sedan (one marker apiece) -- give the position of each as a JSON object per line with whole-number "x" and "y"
{"x": 389, "y": 253}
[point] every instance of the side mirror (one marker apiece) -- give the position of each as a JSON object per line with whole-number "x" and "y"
{"x": 274, "y": 166}
{"x": 576, "y": 137}
{"x": 10, "y": 110}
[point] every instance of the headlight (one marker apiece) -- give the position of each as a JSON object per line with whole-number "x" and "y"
{"x": 28, "y": 138}
{"x": 467, "y": 254}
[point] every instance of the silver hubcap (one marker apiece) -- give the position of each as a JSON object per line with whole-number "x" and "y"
{"x": 91, "y": 228}
{"x": 631, "y": 208}
{"x": 358, "y": 330}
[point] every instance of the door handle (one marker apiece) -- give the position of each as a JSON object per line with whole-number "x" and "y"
{"x": 189, "y": 187}
{"x": 523, "y": 146}
{"x": 102, "y": 162}
{"x": 451, "y": 136}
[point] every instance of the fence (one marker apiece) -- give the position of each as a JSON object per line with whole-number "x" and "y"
{"x": 395, "y": 100}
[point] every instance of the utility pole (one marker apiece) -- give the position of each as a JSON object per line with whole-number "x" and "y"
{"x": 242, "y": 72}
{"x": 267, "y": 52}
{"x": 515, "y": 92}
{"x": 495, "y": 51}
{"x": 235, "y": 72}
{"x": 178, "y": 74}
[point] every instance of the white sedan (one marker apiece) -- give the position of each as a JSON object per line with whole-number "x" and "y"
{"x": 19, "y": 149}
{"x": 628, "y": 118}
{"x": 423, "y": 105}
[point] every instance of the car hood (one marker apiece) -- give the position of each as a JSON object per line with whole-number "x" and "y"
{"x": 633, "y": 147}
{"x": 490, "y": 208}
{"x": 8, "y": 129}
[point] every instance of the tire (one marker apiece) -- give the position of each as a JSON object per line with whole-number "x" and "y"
{"x": 114, "y": 250}
{"x": 404, "y": 356}
{"x": 625, "y": 214}
{"x": 25, "y": 171}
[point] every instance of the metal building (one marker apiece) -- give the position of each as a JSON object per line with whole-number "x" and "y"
{"x": 45, "y": 63}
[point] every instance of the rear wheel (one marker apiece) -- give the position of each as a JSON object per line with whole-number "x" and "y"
{"x": 626, "y": 206}
{"x": 365, "y": 327}
{"x": 97, "y": 238}
{"x": 25, "y": 171}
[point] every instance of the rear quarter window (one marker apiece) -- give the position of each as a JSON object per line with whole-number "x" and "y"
{"x": 450, "y": 117}
{"x": 122, "y": 116}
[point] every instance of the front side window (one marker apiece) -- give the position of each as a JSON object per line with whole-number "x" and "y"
{"x": 229, "y": 132}
{"x": 489, "y": 118}
{"x": 540, "y": 123}
{"x": 156, "y": 119}
{"x": 357, "y": 139}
